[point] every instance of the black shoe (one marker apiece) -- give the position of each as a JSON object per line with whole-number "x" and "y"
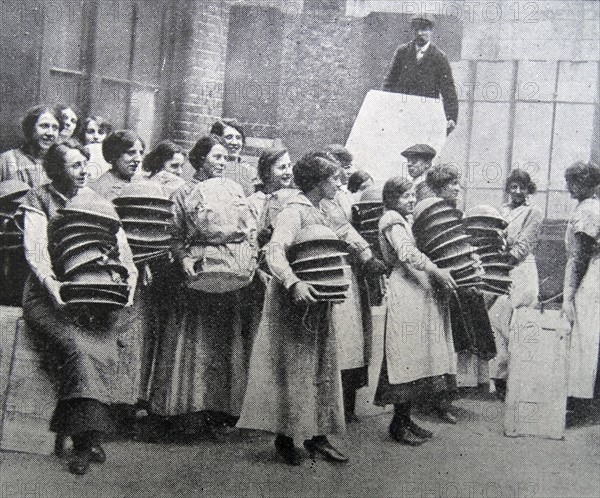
{"x": 290, "y": 454}
{"x": 97, "y": 454}
{"x": 324, "y": 447}
{"x": 351, "y": 418}
{"x": 60, "y": 446}
{"x": 403, "y": 435}
{"x": 500, "y": 389}
{"x": 419, "y": 431}
{"x": 80, "y": 463}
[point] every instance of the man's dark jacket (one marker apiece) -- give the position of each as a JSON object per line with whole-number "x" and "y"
{"x": 429, "y": 77}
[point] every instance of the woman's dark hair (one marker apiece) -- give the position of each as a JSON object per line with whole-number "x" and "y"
{"x": 103, "y": 125}
{"x": 63, "y": 107}
{"x": 313, "y": 168}
{"x": 32, "y": 116}
{"x": 155, "y": 160}
{"x": 266, "y": 161}
{"x": 441, "y": 175}
{"x": 393, "y": 189}
{"x": 341, "y": 154}
{"x": 585, "y": 174}
{"x": 198, "y": 154}
{"x": 218, "y": 128}
{"x": 54, "y": 160}
{"x": 119, "y": 142}
{"x": 523, "y": 179}
{"x": 356, "y": 179}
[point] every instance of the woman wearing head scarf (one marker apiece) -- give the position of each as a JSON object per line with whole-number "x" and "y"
{"x": 40, "y": 128}
{"x": 581, "y": 295}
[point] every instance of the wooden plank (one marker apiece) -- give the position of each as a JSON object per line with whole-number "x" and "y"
{"x": 393, "y": 118}
{"x": 537, "y": 384}
{"x": 30, "y": 399}
{"x": 9, "y": 316}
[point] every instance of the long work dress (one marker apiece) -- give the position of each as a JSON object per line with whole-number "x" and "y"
{"x": 419, "y": 357}
{"x": 200, "y": 361}
{"x": 85, "y": 356}
{"x": 522, "y": 234}
{"x": 584, "y": 379}
{"x": 137, "y": 322}
{"x": 294, "y": 384}
{"x": 351, "y": 320}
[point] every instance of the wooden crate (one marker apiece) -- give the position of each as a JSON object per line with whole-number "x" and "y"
{"x": 9, "y": 316}
{"x": 537, "y": 384}
{"x": 30, "y": 399}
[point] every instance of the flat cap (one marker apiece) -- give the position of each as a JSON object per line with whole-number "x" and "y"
{"x": 420, "y": 150}
{"x": 422, "y": 20}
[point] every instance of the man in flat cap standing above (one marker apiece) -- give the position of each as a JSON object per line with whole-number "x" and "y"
{"x": 420, "y": 68}
{"x": 419, "y": 158}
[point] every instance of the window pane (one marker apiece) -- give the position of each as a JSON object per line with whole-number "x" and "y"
{"x": 488, "y": 147}
{"x": 560, "y": 206}
{"x": 572, "y": 139}
{"x": 64, "y": 33}
{"x": 578, "y": 81}
{"x": 494, "y": 80}
{"x": 149, "y": 32}
{"x": 531, "y": 147}
{"x": 536, "y": 80}
{"x": 113, "y": 39}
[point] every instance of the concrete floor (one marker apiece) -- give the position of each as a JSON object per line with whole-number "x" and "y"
{"x": 472, "y": 459}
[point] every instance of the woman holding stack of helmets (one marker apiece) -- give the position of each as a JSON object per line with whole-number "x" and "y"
{"x": 85, "y": 351}
{"x": 294, "y": 386}
{"x": 468, "y": 312}
{"x": 419, "y": 356}
{"x": 199, "y": 378}
{"x": 351, "y": 319}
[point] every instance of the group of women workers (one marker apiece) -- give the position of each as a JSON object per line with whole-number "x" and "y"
{"x": 264, "y": 352}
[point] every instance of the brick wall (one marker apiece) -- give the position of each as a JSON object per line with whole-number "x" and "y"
{"x": 199, "y": 68}
{"x": 321, "y": 83}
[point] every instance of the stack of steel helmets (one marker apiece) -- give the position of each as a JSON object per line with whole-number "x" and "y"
{"x": 84, "y": 252}
{"x": 319, "y": 258}
{"x": 11, "y": 194}
{"x": 486, "y": 227}
{"x": 366, "y": 214}
{"x": 440, "y": 234}
{"x": 146, "y": 214}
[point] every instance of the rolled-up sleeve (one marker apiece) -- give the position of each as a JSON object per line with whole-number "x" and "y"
{"x": 35, "y": 242}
